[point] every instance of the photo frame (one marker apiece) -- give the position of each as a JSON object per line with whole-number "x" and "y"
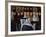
{"x": 27, "y": 7}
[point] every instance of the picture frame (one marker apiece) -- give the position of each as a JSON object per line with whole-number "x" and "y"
{"x": 41, "y": 5}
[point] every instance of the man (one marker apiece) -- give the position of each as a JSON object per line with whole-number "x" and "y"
{"x": 26, "y": 26}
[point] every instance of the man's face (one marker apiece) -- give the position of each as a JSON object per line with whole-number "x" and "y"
{"x": 18, "y": 14}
